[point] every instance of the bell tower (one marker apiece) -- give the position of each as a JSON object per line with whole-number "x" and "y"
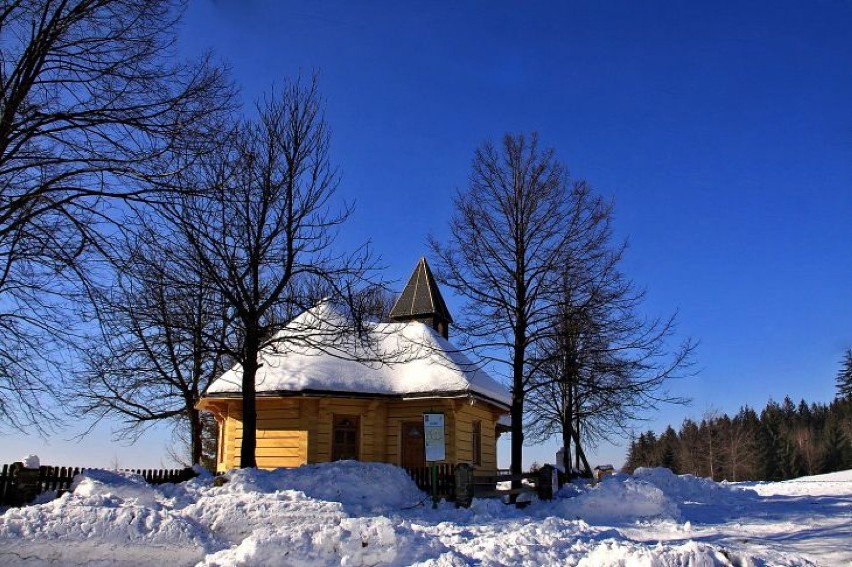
{"x": 421, "y": 301}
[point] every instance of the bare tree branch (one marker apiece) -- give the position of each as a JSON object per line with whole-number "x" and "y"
{"x": 606, "y": 364}
{"x": 507, "y": 234}
{"x": 258, "y": 220}
{"x": 94, "y": 110}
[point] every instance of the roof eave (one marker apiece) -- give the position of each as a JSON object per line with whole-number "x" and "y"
{"x": 312, "y": 393}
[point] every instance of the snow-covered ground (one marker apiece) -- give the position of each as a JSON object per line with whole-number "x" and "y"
{"x": 353, "y": 513}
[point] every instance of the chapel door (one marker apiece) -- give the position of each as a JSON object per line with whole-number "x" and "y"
{"x": 413, "y": 447}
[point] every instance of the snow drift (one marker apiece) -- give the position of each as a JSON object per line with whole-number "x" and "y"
{"x": 352, "y": 513}
{"x": 617, "y": 499}
{"x": 111, "y": 517}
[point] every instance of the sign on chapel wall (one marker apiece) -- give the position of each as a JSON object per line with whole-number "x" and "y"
{"x": 433, "y": 429}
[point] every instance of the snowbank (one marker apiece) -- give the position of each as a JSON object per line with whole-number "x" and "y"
{"x": 357, "y": 486}
{"x": 110, "y": 517}
{"x": 840, "y": 476}
{"x": 31, "y": 462}
{"x": 830, "y": 484}
{"x": 619, "y": 553}
{"x": 119, "y": 485}
{"x": 350, "y": 541}
{"x": 617, "y": 499}
{"x": 687, "y": 488}
{"x": 355, "y": 514}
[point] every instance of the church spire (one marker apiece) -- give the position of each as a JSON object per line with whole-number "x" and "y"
{"x": 421, "y": 301}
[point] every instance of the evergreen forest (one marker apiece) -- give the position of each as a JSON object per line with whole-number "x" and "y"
{"x": 783, "y": 441}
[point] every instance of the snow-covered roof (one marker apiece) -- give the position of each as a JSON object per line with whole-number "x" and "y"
{"x": 408, "y": 360}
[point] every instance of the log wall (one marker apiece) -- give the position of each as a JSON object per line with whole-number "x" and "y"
{"x": 296, "y": 431}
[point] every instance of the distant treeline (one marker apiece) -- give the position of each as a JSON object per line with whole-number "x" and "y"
{"x": 783, "y": 441}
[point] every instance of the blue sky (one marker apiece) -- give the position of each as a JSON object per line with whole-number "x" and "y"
{"x": 723, "y": 133}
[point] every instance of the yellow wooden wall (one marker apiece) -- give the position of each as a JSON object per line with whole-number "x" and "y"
{"x": 282, "y": 434}
{"x": 372, "y": 416}
{"x": 400, "y": 411}
{"x": 295, "y": 431}
{"x": 466, "y": 412}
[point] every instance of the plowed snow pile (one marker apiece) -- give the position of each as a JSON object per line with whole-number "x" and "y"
{"x": 351, "y": 513}
{"x": 616, "y": 500}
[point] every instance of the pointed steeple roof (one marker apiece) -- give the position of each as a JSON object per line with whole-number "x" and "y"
{"x": 421, "y": 297}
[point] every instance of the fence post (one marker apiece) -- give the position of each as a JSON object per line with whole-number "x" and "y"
{"x": 546, "y": 482}
{"x": 4, "y": 482}
{"x": 463, "y": 485}
{"x": 24, "y": 485}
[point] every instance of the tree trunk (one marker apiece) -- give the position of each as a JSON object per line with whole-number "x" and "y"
{"x": 566, "y": 447}
{"x": 250, "y": 366}
{"x": 712, "y": 457}
{"x": 195, "y": 435}
{"x": 517, "y": 435}
{"x": 517, "y": 415}
{"x": 580, "y": 453}
{"x": 567, "y": 419}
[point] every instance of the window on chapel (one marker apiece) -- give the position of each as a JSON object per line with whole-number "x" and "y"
{"x": 344, "y": 438}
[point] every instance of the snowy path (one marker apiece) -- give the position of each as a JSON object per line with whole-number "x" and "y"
{"x": 361, "y": 514}
{"x": 818, "y": 528}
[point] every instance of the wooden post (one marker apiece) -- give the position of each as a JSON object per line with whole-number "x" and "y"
{"x": 4, "y": 481}
{"x": 546, "y": 481}
{"x": 464, "y": 485}
{"x": 24, "y": 485}
{"x": 435, "y": 497}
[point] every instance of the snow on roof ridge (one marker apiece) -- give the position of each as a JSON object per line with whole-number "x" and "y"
{"x": 440, "y": 368}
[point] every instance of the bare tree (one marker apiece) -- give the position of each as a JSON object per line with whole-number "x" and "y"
{"x": 181, "y": 448}
{"x": 507, "y": 236}
{"x": 710, "y": 448}
{"x": 375, "y": 303}
{"x": 804, "y": 438}
{"x": 689, "y": 453}
{"x": 561, "y": 402}
{"x": 157, "y": 348}
{"x": 605, "y": 364}
{"x": 741, "y": 446}
{"x": 258, "y": 219}
{"x": 93, "y": 108}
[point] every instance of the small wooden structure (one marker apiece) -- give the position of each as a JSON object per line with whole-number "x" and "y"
{"x": 469, "y": 485}
{"x": 602, "y": 471}
{"x": 313, "y": 407}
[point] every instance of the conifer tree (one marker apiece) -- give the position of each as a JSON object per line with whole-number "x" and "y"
{"x": 784, "y": 441}
{"x": 844, "y": 377}
{"x": 668, "y": 449}
{"x": 689, "y": 451}
{"x": 837, "y": 454}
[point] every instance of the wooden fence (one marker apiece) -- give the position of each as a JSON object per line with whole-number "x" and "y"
{"x": 487, "y": 486}
{"x": 422, "y": 477}
{"x": 458, "y": 483}
{"x": 59, "y": 479}
{"x": 461, "y": 483}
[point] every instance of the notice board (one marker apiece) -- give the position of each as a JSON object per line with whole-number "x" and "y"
{"x": 433, "y": 430}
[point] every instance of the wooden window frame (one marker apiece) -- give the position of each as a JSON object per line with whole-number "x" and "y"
{"x": 338, "y": 417}
{"x": 476, "y": 443}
